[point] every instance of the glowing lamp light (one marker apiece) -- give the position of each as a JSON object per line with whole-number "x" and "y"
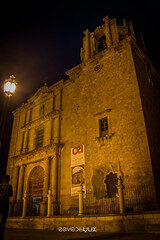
{"x": 10, "y": 86}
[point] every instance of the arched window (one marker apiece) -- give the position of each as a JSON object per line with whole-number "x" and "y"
{"x": 102, "y": 43}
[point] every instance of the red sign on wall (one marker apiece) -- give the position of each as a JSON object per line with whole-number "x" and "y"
{"x": 77, "y": 169}
{"x": 77, "y": 156}
{"x": 77, "y": 150}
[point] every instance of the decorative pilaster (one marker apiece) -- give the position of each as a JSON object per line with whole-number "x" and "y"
{"x": 81, "y": 200}
{"x": 20, "y": 191}
{"x": 49, "y": 196}
{"x": 14, "y": 184}
{"x": 46, "y": 178}
{"x": 27, "y": 140}
{"x": 20, "y": 183}
{"x": 114, "y": 31}
{"x": 22, "y": 144}
{"x": 24, "y": 205}
{"x": 45, "y": 188}
{"x": 92, "y": 44}
{"x": 132, "y": 30}
{"x": 121, "y": 195}
{"x": 54, "y": 182}
{"x": 86, "y": 45}
{"x": 107, "y": 31}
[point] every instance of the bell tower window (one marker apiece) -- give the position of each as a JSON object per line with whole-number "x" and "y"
{"x": 102, "y": 43}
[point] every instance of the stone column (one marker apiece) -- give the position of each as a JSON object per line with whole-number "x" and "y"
{"x": 121, "y": 195}
{"x": 107, "y": 31}
{"x": 24, "y": 205}
{"x": 20, "y": 183}
{"x": 22, "y": 143}
{"x": 20, "y": 189}
{"x": 114, "y": 31}
{"x": 49, "y": 196}
{"x": 92, "y": 44}
{"x": 54, "y": 183}
{"x": 132, "y": 30}
{"x": 14, "y": 184}
{"x": 86, "y": 43}
{"x": 81, "y": 200}
{"x": 27, "y": 140}
{"x": 45, "y": 188}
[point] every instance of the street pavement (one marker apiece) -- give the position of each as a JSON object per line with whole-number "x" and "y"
{"x": 20, "y": 234}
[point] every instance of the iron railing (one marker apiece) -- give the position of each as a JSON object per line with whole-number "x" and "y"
{"x": 137, "y": 198}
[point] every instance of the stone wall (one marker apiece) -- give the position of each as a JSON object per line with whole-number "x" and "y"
{"x": 113, "y": 223}
{"x": 149, "y": 85}
{"x": 89, "y": 97}
{"x": 108, "y": 84}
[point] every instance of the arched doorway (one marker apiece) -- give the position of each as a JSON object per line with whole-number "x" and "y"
{"x": 35, "y": 191}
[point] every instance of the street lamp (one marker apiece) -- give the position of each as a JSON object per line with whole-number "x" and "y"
{"x": 10, "y": 86}
{"x": 9, "y": 89}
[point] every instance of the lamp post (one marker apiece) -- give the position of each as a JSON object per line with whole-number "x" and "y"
{"x": 8, "y": 89}
{"x": 10, "y": 86}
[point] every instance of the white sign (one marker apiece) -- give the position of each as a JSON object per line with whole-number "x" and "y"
{"x": 77, "y": 169}
{"x": 77, "y": 156}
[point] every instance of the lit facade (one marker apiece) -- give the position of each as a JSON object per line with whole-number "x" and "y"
{"x": 103, "y": 111}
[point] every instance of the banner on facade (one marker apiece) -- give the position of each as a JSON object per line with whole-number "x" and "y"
{"x": 77, "y": 169}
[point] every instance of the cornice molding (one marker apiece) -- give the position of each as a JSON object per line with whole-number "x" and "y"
{"x": 42, "y": 152}
{"x": 53, "y": 114}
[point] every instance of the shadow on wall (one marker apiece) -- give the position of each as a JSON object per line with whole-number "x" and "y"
{"x": 99, "y": 190}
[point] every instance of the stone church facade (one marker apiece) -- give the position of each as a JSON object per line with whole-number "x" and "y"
{"x": 103, "y": 119}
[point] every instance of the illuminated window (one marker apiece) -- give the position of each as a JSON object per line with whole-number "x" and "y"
{"x": 39, "y": 138}
{"x": 103, "y": 126}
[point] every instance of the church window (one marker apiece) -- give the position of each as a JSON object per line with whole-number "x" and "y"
{"x": 102, "y": 43}
{"x": 103, "y": 126}
{"x": 39, "y": 138}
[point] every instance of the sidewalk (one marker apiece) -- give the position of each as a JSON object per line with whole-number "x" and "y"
{"x": 19, "y": 234}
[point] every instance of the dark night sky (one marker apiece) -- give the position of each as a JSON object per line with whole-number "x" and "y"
{"x": 39, "y": 42}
